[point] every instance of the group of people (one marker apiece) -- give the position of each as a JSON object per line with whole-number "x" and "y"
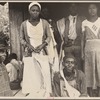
{"x": 80, "y": 39}
{"x": 71, "y": 71}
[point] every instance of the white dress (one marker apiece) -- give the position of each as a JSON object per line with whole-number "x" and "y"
{"x": 36, "y": 76}
{"x": 92, "y": 52}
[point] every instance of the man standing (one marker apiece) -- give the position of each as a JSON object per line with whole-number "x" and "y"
{"x": 72, "y": 33}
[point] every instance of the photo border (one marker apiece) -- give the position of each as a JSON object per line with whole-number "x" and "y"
{"x": 56, "y": 98}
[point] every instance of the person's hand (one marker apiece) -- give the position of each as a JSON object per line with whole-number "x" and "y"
{"x": 38, "y": 48}
{"x": 31, "y": 48}
{"x": 37, "y": 51}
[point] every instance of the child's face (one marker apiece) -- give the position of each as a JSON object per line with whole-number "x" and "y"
{"x": 69, "y": 64}
{"x": 2, "y": 55}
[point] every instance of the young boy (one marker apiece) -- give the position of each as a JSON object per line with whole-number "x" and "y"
{"x": 74, "y": 77}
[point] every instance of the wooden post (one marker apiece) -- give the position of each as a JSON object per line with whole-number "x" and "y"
{"x": 16, "y": 17}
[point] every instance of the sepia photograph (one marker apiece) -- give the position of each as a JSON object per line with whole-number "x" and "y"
{"x": 50, "y": 49}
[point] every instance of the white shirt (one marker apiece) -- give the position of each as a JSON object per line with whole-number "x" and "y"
{"x": 72, "y": 27}
{"x": 93, "y": 26}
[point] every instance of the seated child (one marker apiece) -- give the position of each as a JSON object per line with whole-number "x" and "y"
{"x": 69, "y": 79}
{"x": 15, "y": 71}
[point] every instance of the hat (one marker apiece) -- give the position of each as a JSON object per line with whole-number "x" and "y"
{"x": 34, "y": 3}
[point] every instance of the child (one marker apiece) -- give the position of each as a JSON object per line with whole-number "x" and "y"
{"x": 14, "y": 69}
{"x": 74, "y": 77}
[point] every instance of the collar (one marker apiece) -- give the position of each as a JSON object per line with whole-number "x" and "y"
{"x": 71, "y": 17}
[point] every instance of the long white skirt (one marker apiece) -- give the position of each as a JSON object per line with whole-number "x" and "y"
{"x": 36, "y": 75}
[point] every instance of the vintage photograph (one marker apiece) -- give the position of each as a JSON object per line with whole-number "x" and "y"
{"x": 49, "y": 49}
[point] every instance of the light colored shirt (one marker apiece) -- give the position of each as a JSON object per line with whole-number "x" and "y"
{"x": 72, "y": 27}
{"x": 12, "y": 72}
{"x": 12, "y": 69}
{"x": 93, "y": 26}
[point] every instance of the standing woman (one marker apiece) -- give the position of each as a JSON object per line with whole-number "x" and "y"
{"x": 91, "y": 49}
{"x": 35, "y": 37}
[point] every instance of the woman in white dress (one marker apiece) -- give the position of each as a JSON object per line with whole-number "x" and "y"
{"x": 35, "y": 36}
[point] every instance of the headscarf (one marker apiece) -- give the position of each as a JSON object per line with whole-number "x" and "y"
{"x": 34, "y": 3}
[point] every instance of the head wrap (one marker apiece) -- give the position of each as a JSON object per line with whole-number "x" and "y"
{"x": 34, "y": 3}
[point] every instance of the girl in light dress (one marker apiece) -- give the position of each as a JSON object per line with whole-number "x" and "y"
{"x": 91, "y": 49}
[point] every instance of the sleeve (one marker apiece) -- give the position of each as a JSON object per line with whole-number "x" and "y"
{"x": 15, "y": 63}
{"x": 21, "y": 35}
{"x": 8, "y": 67}
{"x": 48, "y": 33}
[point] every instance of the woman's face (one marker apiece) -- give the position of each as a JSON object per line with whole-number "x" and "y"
{"x": 34, "y": 12}
{"x": 92, "y": 9}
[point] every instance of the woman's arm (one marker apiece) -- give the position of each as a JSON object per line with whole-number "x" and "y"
{"x": 47, "y": 33}
{"x": 22, "y": 36}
